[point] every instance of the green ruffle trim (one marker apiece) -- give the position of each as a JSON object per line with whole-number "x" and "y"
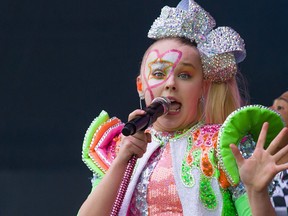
{"x": 243, "y": 121}
{"x": 103, "y": 117}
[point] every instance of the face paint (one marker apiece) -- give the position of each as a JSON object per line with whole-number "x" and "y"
{"x": 159, "y": 64}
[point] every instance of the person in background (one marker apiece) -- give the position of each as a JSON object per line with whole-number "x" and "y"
{"x": 179, "y": 169}
{"x": 280, "y": 105}
{"x": 280, "y": 196}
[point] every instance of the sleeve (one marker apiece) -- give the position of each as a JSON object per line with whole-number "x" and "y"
{"x": 242, "y": 206}
{"x": 101, "y": 144}
{"x": 240, "y": 127}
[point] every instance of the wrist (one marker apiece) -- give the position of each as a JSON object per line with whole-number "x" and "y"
{"x": 260, "y": 202}
{"x": 120, "y": 162}
{"x": 253, "y": 193}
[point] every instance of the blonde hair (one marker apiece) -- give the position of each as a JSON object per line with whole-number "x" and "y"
{"x": 221, "y": 99}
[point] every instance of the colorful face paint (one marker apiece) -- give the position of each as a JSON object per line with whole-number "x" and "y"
{"x": 159, "y": 67}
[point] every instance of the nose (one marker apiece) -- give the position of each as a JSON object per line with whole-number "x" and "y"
{"x": 170, "y": 83}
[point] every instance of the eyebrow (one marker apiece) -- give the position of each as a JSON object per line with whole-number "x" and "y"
{"x": 281, "y": 98}
{"x": 187, "y": 64}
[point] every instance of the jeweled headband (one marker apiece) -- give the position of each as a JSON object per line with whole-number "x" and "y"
{"x": 220, "y": 49}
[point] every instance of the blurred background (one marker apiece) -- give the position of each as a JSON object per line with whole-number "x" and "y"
{"x": 62, "y": 62}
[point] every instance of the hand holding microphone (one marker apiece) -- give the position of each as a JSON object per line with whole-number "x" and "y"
{"x": 158, "y": 107}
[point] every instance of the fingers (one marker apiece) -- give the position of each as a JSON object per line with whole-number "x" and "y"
{"x": 262, "y": 136}
{"x": 135, "y": 145}
{"x": 280, "y": 141}
{"x": 282, "y": 167}
{"x": 148, "y": 136}
{"x": 281, "y": 156}
{"x": 136, "y": 113}
{"x": 237, "y": 154}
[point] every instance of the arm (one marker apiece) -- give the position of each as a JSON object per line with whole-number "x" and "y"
{"x": 258, "y": 171}
{"x": 101, "y": 199}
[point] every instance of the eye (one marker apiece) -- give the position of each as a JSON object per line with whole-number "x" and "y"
{"x": 158, "y": 74}
{"x": 279, "y": 108}
{"x": 184, "y": 76}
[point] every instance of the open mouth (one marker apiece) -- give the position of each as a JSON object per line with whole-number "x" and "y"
{"x": 174, "y": 107}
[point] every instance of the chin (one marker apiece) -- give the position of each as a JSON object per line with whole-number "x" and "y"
{"x": 166, "y": 124}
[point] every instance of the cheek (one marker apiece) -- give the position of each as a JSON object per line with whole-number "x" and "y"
{"x": 154, "y": 82}
{"x": 283, "y": 114}
{"x": 194, "y": 104}
{"x": 151, "y": 92}
{"x": 192, "y": 98}
{"x": 195, "y": 90}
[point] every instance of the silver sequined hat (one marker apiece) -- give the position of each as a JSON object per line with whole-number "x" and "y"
{"x": 220, "y": 49}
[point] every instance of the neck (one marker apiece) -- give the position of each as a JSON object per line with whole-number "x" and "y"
{"x": 175, "y": 133}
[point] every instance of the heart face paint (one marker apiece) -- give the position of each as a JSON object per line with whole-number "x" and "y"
{"x": 159, "y": 63}
{"x": 173, "y": 69}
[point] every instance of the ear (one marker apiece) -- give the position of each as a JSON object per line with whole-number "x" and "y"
{"x": 139, "y": 86}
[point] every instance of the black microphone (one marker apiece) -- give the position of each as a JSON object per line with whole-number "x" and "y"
{"x": 158, "y": 107}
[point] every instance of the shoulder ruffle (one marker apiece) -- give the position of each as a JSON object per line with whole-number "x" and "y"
{"x": 100, "y": 144}
{"x": 243, "y": 122}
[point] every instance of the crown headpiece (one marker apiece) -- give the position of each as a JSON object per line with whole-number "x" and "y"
{"x": 220, "y": 49}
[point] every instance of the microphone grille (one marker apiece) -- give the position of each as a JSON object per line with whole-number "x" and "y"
{"x": 165, "y": 102}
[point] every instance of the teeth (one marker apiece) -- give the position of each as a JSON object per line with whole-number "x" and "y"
{"x": 177, "y": 110}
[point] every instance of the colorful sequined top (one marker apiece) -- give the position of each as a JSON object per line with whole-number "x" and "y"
{"x": 156, "y": 192}
{"x": 191, "y": 181}
{"x": 197, "y": 182}
{"x": 190, "y": 172}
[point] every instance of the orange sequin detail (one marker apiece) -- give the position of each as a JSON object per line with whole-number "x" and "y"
{"x": 162, "y": 196}
{"x": 196, "y": 134}
{"x": 214, "y": 140}
{"x": 204, "y": 143}
{"x": 189, "y": 159}
{"x": 223, "y": 179}
{"x": 206, "y": 166}
{"x": 96, "y": 138}
{"x": 117, "y": 140}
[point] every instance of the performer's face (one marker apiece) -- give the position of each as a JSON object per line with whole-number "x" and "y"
{"x": 174, "y": 70}
{"x": 281, "y": 106}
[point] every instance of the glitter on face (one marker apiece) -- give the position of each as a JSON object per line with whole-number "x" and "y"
{"x": 164, "y": 63}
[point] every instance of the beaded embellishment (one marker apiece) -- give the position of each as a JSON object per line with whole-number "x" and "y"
{"x": 220, "y": 49}
{"x": 245, "y": 121}
{"x": 101, "y": 143}
{"x": 139, "y": 205}
{"x": 201, "y": 155}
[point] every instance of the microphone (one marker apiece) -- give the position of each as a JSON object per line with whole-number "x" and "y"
{"x": 158, "y": 107}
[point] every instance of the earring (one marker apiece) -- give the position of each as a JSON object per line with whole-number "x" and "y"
{"x": 202, "y": 100}
{"x": 142, "y": 102}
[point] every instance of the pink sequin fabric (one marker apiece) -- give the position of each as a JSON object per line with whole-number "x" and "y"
{"x": 162, "y": 196}
{"x": 155, "y": 192}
